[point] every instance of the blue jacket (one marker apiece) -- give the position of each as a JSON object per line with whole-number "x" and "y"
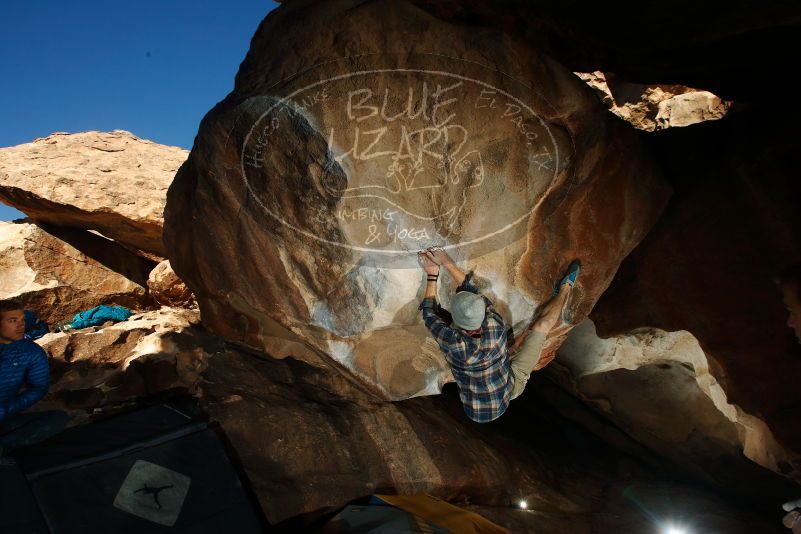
{"x": 22, "y": 362}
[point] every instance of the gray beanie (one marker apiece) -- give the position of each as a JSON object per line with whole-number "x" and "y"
{"x": 467, "y": 310}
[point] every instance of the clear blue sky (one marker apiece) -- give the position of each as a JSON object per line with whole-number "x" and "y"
{"x": 152, "y": 67}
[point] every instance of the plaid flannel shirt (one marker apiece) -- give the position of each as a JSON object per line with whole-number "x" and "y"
{"x": 480, "y": 366}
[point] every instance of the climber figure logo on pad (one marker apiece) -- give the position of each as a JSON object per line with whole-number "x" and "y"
{"x": 474, "y": 337}
{"x": 147, "y": 490}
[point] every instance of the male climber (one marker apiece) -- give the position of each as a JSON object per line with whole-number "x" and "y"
{"x": 24, "y": 380}
{"x": 475, "y": 346}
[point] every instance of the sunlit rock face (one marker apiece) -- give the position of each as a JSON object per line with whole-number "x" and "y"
{"x": 110, "y": 182}
{"x": 655, "y": 107}
{"x": 167, "y": 289}
{"x": 360, "y": 133}
{"x": 60, "y": 273}
{"x": 153, "y": 352}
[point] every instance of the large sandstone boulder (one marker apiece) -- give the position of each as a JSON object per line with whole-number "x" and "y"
{"x": 660, "y": 389}
{"x": 310, "y": 442}
{"x": 111, "y": 182}
{"x": 296, "y": 219}
{"x": 167, "y": 289}
{"x": 58, "y": 277}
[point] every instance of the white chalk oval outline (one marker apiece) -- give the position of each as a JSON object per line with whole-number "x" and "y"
{"x": 282, "y": 101}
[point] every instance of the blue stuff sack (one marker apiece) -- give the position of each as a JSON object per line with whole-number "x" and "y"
{"x": 99, "y": 315}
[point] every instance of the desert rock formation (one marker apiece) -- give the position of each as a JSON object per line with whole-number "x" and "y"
{"x": 296, "y": 219}
{"x": 111, "y": 182}
{"x": 57, "y": 280}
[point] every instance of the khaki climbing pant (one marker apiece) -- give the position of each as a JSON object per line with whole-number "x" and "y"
{"x": 525, "y": 359}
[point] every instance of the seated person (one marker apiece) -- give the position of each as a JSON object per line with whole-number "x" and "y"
{"x": 24, "y": 380}
{"x": 789, "y": 282}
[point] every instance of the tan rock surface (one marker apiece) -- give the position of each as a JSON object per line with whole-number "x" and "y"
{"x": 151, "y": 353}
{"x": 659, "y": 388}
{"x": 58, "y": 280}
{"x": 112, "y": 182}
{"x": 655, "y": 107}
{"x": 167, "y": 289}
{"x": 286, "y": 230}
